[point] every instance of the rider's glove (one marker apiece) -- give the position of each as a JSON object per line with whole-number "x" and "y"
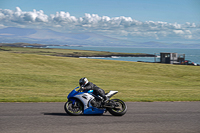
{"x": 81, "y": 89}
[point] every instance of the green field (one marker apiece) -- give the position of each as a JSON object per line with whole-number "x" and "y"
{"x": 63, "y": 52}
{"x": 34, "y": 77}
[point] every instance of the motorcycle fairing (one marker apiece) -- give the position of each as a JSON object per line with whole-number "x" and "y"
{"x": 73, "y": 93}
{"x": 93, "y": 110}
{"x": 85, "y": 97}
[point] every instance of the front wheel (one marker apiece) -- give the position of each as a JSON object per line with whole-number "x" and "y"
{"x": 75, "y": 108}
{"x": 119, "y": 109}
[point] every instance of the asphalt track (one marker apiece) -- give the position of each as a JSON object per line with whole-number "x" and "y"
{"x": 142, "y": 117}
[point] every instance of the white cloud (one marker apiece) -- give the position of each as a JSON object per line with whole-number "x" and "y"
{"x": 178, "y": 32}
{"x": 62, "y": 17}
{"x": 2, "y": 26}
{"x": 116, "y": 26}
{"x": 18, "y": 16}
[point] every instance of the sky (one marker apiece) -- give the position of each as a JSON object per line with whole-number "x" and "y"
{"x": 135, "y": 20}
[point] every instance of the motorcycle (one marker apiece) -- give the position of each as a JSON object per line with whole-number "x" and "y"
{"x": 89, "y": 104}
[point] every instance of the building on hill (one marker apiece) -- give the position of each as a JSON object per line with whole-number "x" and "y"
{"x": 172, "y": 58}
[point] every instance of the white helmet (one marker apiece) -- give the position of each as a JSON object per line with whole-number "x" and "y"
{"x": 83, "y": 82}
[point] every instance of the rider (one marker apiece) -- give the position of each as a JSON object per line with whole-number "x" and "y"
{"x": 86, "y": 85}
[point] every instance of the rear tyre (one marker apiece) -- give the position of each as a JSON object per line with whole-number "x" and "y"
{"x": 119, "y": 109}
{"x": 73, "y": 109}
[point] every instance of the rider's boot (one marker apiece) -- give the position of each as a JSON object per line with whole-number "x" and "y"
{"x": 105, "y": 100}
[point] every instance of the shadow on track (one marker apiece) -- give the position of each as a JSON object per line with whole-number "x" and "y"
{"x": 65, "y": 114}
{"x": 56, "y": 114}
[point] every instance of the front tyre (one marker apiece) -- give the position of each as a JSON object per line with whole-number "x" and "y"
{"x": 119, "y": 109}
{"x": 73, "y": 109}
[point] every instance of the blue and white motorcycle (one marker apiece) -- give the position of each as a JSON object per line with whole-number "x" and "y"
{"x": 87, "y": 103}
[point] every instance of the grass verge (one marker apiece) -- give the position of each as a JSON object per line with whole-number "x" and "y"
{"x": 39, "y": 78}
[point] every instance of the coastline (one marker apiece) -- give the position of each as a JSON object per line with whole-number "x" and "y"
{"x": 45, "y": 50}
{"x": 110, "y": 56}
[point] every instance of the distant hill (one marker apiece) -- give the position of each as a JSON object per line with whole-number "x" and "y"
{"x": 47, "y": 36}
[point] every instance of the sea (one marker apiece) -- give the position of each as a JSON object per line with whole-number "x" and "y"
{"x": 190, "y": 54}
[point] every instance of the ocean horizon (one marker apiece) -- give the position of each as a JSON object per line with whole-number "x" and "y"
{"x": 190, "y": 54}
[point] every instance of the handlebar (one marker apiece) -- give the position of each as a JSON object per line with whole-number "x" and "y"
{"x": 80, "y": 89}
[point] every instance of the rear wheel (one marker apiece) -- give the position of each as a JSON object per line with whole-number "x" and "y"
{"x": 73, "y": 109}
{"x": 119, "y": 109}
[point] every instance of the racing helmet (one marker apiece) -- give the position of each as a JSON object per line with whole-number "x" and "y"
{"x": 83, "y": 82}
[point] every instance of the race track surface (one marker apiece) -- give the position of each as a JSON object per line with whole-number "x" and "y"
{"x": 142, "y": 117}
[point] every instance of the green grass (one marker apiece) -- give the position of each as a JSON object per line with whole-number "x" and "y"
{"x": 61, "y": 52}
{"x": 39, "y": 78}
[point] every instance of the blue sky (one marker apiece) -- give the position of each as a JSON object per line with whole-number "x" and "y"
{"x": 125, "y": 19}
{"x": 179, "y": 11}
